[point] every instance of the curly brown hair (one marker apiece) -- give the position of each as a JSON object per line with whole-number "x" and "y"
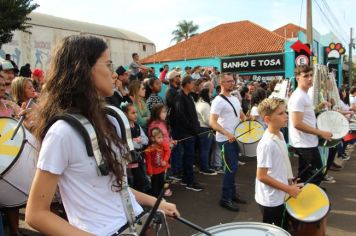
{"x": 69, "y": 89}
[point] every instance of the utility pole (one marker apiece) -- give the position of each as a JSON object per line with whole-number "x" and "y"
{"x": 350, "y": 58}
{"x": 309, "y": 24}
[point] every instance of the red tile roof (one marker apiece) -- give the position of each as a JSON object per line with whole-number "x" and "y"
{"x": 289, "y": 30}
{"x": 236, "y": 38}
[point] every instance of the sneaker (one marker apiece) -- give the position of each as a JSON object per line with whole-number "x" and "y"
{"x": 229, "y": 205}
{"x": 242, "y": 163}
{"x": 238, "y": 200}
{"x": 208, "y": 172}
{"x": 219, "y": 170}
{"x": 195, "y": 187}
{"x": 329, "y": 179}
{"x": 175, "y": 177}
{"x": 168, "y": 193}
{"x": 345, "y": 157}
{"x": 335, "y": 167}
{"x": 183, "y": 183}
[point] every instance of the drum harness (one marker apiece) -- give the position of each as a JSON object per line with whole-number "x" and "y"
{"x": 87, "y": 131}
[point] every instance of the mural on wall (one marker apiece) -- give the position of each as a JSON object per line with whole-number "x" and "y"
{"x": 13, "y": 48}
{"x": 41, "y": 53}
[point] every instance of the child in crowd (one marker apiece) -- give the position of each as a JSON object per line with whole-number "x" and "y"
{"x": 158, "y": 120}
{"x": 154, "y": 87}
{"x": 140, "y": 181}
{"x": 274, "y": 173}
{"x": 257, "y": 96}
{"x": 157, "y": 157}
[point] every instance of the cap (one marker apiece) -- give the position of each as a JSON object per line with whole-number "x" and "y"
{"x": 6, "y": 65}
{"x": 37, "y": 72}
{"x": 172, "y": 74}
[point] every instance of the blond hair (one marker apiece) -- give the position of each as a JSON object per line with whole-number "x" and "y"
{"x": 269, "y": 105}
{"x": 18, "y": 86}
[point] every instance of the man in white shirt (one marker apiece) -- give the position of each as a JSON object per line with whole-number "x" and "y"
{"x": 303, "y": 133}
{"x": 225, "y": 115}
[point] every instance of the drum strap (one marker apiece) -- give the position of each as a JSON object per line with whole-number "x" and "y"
{"x": 283, "y": 148}
{"x": 86, "y": 130}
{"x": 226, "y": 99}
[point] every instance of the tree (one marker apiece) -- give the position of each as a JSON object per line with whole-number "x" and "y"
{"x": 13, "y": 16}
{"x": 185, "y": 30}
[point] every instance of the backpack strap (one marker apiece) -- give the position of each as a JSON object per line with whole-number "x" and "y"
{"x": 225, "y": 98}
{"x": 87, "y": 131}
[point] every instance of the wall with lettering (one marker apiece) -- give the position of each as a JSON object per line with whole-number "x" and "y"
{"x": 270, "y": 62}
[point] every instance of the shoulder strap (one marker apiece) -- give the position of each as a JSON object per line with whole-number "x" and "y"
{"x": 87, "y": 131}
{"x": 225, "y": 98}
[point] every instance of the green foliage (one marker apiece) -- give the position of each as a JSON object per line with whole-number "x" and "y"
{"x": 185, "y": 30}
{"x": 13, "y": 16}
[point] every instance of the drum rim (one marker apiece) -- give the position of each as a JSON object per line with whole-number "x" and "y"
{"x": 246, "y": 223}
{"x": 21, "y": 148}
{"x": 334, "y": 112}
{"x": 309, "y": 221}
{"x": 250, "y": 121}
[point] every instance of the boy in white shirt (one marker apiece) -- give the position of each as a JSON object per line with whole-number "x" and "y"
{"x": 274, "y": 173}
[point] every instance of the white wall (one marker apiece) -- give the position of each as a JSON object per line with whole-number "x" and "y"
{"x": 36, "y": 48}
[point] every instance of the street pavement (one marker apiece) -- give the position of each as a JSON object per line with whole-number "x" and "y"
{"x": 203, "y": 209}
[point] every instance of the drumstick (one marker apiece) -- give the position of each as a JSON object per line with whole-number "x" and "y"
{"x": 244, "y": 133}
{"x": 192, "y": 225}
{"x": 153, "y": 210}
{"x": 302, "y": 172}
{"x": 310, "y": 179}
{"x": 21, "y": 119}
{"x": 315, "y": 174}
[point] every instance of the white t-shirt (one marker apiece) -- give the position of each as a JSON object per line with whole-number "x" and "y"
{"x": 203, "y": 112}
{"x": 301, "y": 102}
{"x": 270, "y": 155}
{"x": 254, "y": 112}
{"x": 88, "y": 199}
{"x": 227, "y": 118}
{"x": 352, "y": 100}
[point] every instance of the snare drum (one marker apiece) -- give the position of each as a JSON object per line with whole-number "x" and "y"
{"x": 308, "y": 211}
{"x": 246, "y": 229}
{"x": 335, "y": 123}
{"x": 248, "y": 134}
{"x": 18, "y": 159}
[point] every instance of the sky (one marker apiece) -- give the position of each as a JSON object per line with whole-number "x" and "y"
{"x": 156, "y": 19}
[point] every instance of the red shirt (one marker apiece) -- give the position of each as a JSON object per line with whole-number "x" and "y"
{"x": 155, "y": 155}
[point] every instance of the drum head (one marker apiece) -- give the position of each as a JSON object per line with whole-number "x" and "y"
{"x": 311, "y": 205}
{"x": 9, "y": 149}
{"x": 249, "y": 132}
{"x": 333, "y": 122}
{"x": 246, "y": 228}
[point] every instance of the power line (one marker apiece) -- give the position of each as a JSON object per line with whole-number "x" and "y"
{"x": 330, "y": 23}
{"x": 301, "y": 13}
{"x": 333, "y": 16}
{"x": 333, "y": 28}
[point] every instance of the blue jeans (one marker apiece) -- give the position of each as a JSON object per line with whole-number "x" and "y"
{"x": 1, "y": 226}
{"x": 177, "y": 159}
{"x": 216, "y": 155}
{"x": 205, "y": 141}
{"x": 188, "y": 160}
{"x": 231, "y": 155}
